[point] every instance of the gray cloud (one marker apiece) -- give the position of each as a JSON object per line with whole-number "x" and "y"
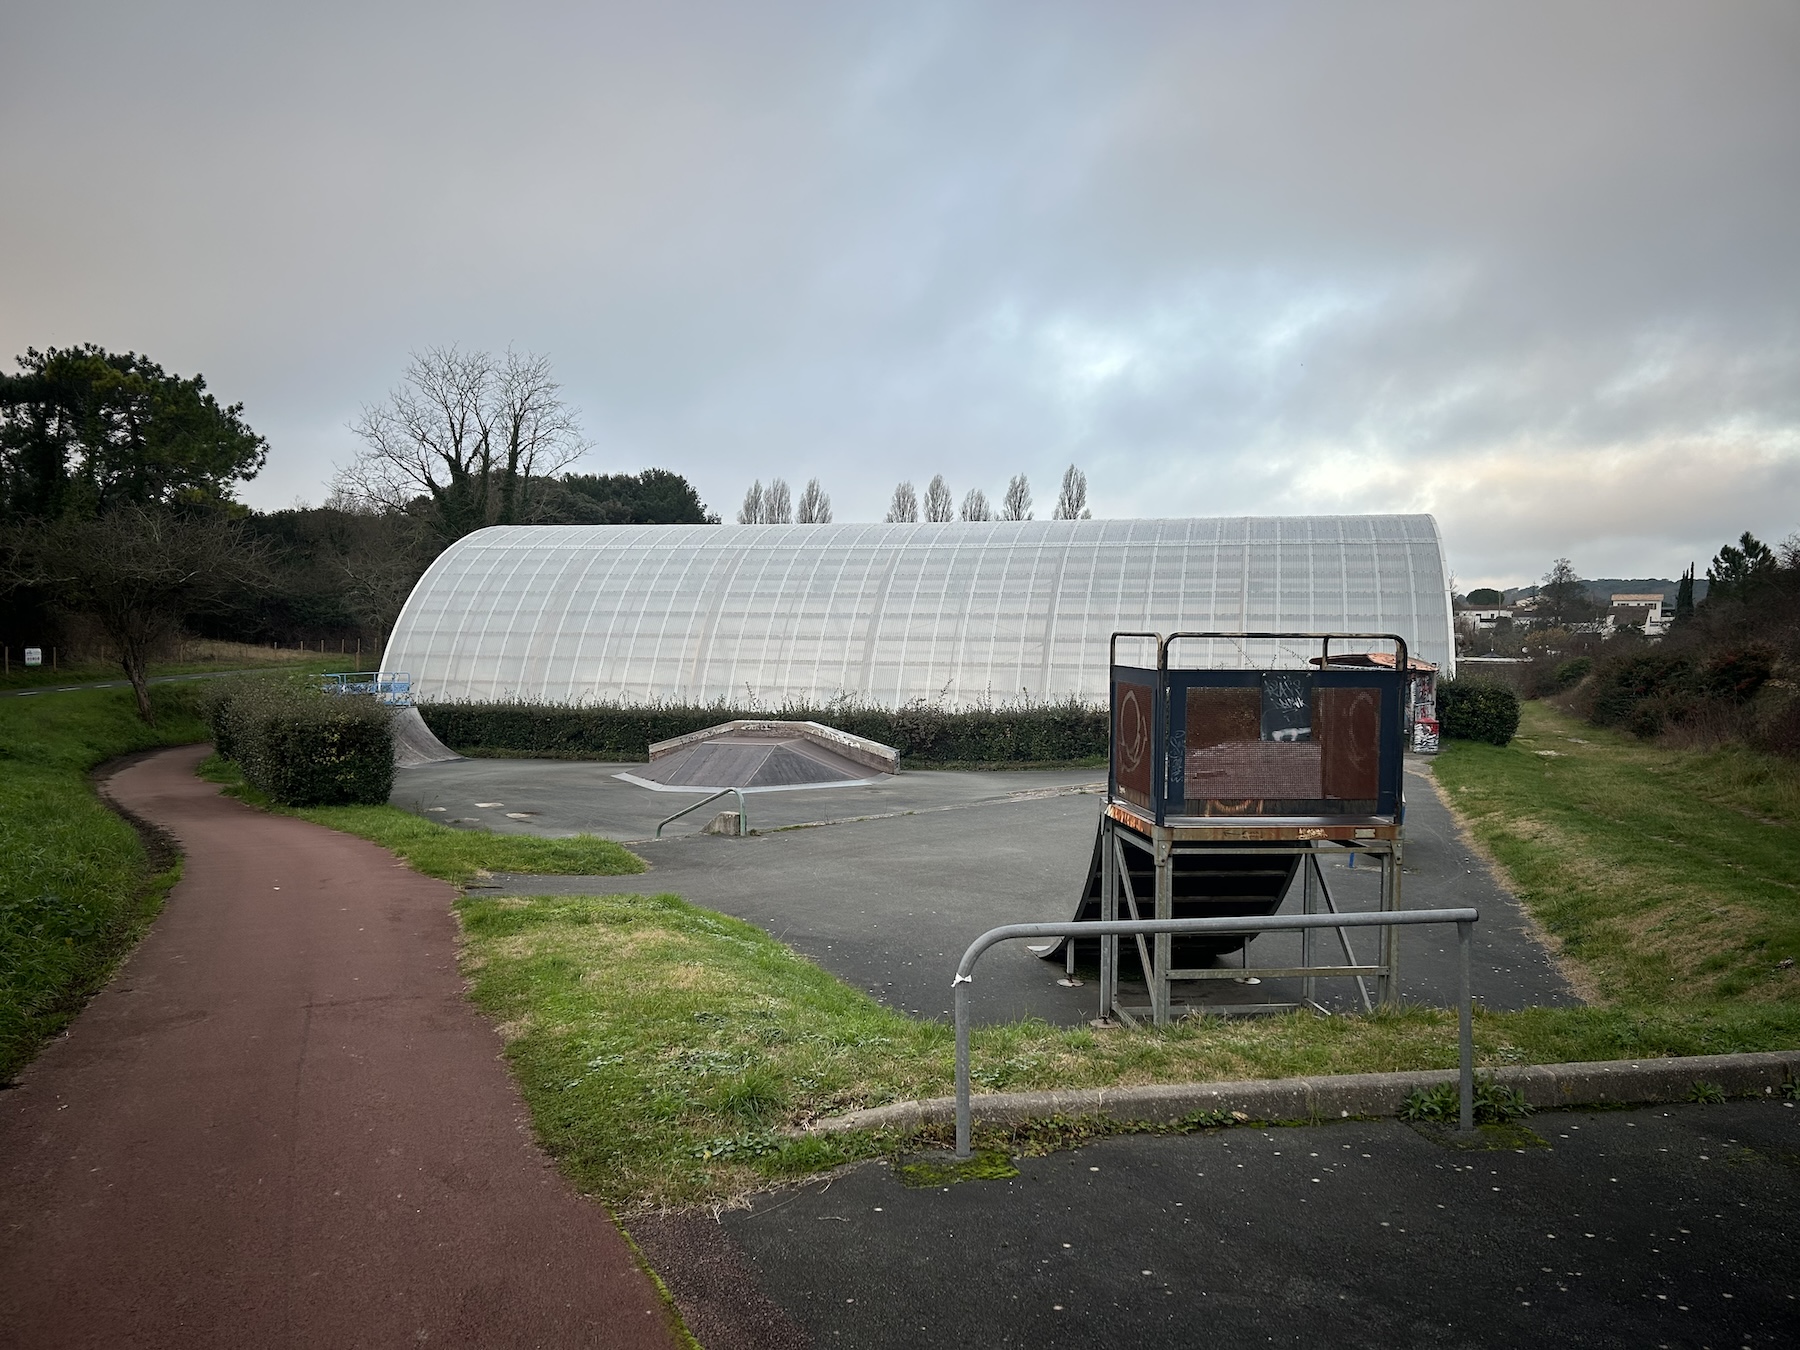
{"x": 1529, "y": 267}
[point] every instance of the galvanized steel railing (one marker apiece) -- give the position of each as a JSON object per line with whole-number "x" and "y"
{"x": 1464, "y": 919}
{"x": 743, "y": 811}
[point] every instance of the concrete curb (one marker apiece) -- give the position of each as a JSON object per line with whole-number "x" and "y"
{"x": 1619, "y": 1082}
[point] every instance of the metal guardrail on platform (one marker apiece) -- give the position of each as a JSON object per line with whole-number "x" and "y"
{"x": 392, "y": 687}
{"x": 1464, "y": 919}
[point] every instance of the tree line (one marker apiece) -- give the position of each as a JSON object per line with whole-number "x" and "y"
{"x": 774, "y": 504}
{"x": 118, "y": 507}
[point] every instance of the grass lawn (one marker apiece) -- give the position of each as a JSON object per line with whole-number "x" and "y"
{"x": 76, "y": 887}
{"x": 191, "y": 658}
{"x": 1670, "y": 878}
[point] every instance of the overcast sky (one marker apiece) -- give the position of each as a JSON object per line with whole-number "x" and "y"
{"x": 1534, "y": 268}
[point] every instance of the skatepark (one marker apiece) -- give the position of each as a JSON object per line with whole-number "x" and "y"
{"x": 289, "y": 1089}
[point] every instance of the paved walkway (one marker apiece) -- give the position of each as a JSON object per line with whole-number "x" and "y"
{"x": 1667, "y": 1226}
{"x": 283, "y": 1124}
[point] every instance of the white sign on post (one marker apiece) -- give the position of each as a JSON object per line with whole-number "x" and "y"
{"x": 34, "y": 656}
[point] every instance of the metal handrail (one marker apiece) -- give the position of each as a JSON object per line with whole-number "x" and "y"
{"x": 1464, "y": 919}
{"x": 743, "y": 813}
{"x": 393, "y": 687}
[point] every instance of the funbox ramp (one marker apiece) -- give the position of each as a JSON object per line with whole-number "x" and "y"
{"x": 413, "y": 742}
{"x": 1204, "y": 885}
{"x": 765, "y": 756}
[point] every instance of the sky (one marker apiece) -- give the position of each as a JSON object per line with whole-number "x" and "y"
{"x": 1532, "y": 267}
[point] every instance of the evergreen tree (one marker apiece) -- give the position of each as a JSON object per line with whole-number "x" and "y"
{"x": 1738, "y": 571}
{"x": 1684, "y": 596}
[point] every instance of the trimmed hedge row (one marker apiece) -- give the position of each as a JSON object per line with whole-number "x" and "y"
{"x": 1025, "y": 733}
{"x": 302, "y": 745}
{"x": 1477, "y": 710}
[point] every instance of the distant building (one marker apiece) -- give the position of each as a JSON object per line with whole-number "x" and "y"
{"x": 1644, "y": 612}
{"x": 1484, "y": 620}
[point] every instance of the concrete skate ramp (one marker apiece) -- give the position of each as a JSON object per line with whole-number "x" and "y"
{"x": 764, "y": 756}
{"x": 752, "y": 762}
{"x": 413, "y": 742}
{"x": 1204, "y": 886}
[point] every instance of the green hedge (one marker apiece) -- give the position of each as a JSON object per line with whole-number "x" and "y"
{"x": 1477, "y": 710}
{"x": 302, "y": 745}
{"x": 1024, "y": 733}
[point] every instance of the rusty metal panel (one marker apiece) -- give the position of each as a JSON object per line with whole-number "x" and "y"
{"x": 1347, "y": 726}
{"x": 1223, "y": 716}
{"x": 1134, "y": 729}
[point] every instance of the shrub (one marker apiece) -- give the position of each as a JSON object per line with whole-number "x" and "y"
{"x": 301, "y": 745}
{"x": 1017, "y": 733}
{"x": 1621, "y": 683}
{"x": 1572, "y": 672}
{"x": 1738, "y": 673}
{"x": 1478, "y": 710}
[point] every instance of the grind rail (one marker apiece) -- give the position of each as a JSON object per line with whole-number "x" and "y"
{"x": 743, "y": 811}
{"x": 1464, "y": 919}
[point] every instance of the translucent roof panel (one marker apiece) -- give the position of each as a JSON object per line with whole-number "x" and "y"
{"x": 958, "y": 614}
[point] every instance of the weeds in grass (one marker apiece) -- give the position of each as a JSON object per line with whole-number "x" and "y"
{"x": 1495, "y": 1103}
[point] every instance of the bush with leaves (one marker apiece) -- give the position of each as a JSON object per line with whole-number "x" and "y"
{"x": 1572, "y": 672}
{"x": 1622, "y": 683}
{"x": 1478, "y": 710}
{"x": 302, "y": 745}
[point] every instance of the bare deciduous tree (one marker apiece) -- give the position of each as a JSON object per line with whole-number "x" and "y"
{"x": 1017, "y": 505}
{"x": 137, "y": 571}
{"x": 778, "y": 503}
{"x": 474, "y": 434}
{"x": 975, "y": 506}
{"x": 939, "y": 504}
{"x": 1071, "y": 502}
{"x": 378, "y": 556}
{"x": 815, "y": 506}
{"x": 751, "y": 512}
{"x": 1563, "y": 597}
{"x": 904, "y": 510}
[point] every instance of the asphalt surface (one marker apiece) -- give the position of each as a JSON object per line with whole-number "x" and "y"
{"x": 891, "y": 882}
{"x": 1670, "y": 1226}
{"x": 284, "y": 1124}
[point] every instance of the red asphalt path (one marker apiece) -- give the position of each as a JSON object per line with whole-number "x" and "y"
{"x": 283, "y": 1124}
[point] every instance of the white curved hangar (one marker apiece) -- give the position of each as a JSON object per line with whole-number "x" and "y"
{"x": 960, "y": 614}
